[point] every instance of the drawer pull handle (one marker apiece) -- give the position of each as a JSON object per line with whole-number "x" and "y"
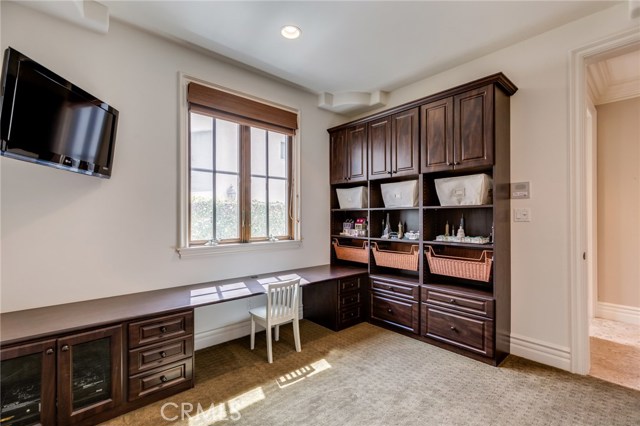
{"x": 163, "y": 329}
{"x": 391, "y": 288}
{"x": 453, "y": 328}
{"x": 452, "y": 300}
{"x": 164, "y": 379}
{"x": 64, "y": 348}
{"x": 163, "y": 354}
{"x": 49, "y": 351}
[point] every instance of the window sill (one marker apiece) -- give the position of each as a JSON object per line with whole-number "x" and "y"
{"x": 198, "y": 251}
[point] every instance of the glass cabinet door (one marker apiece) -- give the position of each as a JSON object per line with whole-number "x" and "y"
{"x": 27, "y": 384}
{"x": 90, "y": 369}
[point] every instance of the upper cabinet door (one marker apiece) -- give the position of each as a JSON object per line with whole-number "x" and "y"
{"x": 380, "y": 148}
{"x": 473, "y": 136}
{"x": 437, "y": 135}
{"x": 405, "y": 145}
{"x": 357, "y": 153}
{"x": 338, "y": 153}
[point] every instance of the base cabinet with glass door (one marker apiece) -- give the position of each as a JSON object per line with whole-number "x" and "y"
{"x": 81, "y": 374}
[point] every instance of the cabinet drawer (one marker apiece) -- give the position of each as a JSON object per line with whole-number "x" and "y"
{"x": 153, "y": 356}
{"x": 160, "y": 329}
{"x": 403, "y": 314}
{"x": 350, "y": 314}
{"x": 349, "y": 299}
{"x": 155, "y": 381}
{"x": 471, "y": 333}
{"x": 395, "y": 288}
{"x": 465, "y": 303}
{"x": 349, "y": 284}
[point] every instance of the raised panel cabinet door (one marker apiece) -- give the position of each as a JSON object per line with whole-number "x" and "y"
{"x": 89, "y": 374}
{"x": 405, "y": 144}
{"x": 473, "y": 136}
{"x": 380, "y": 148}
{"x": 357, "y": 153}
{"x": 437, "y": 136}
{"x": 29, "y": 384}
{"x": 338, "y": 154}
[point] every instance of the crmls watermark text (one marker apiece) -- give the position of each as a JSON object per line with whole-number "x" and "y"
{"x": 171, "y": 412}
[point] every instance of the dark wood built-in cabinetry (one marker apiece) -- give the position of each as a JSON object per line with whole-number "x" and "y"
{"x": 458, "y": 132}
{"x": 336, "y": 304}
{"x": 90, "y": 376}
{"x": 80, "y": 374}
{"x": 393, "y": 145}
{"x": 349, "y": 148}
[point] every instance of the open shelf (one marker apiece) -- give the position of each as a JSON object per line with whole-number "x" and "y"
{"x": 480, "y": 206}
{"x": 487, "y": 246}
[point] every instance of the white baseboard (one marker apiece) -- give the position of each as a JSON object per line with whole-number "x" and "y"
{"x": 542, "y": 352}
{"x": 610, "y": 311}
{"x": 207, "y": 338}
{"x": 219, "y": 335}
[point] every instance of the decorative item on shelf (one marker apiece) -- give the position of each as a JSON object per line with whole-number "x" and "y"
{"x": 460, "y": 267}
{"x": 461, "y": 228}
{"x": 446, "y": 229}
{"x": 400, "y": 233}
{"x": 393, "y": 235}
{"x": 411, "y": 235}
{"x": 360, "y": 227}
{"x": 464, "y": 239}
{"x": 396, "y": 258}
{"x": 387, "y": 228}
{"x": 347, "y": 227}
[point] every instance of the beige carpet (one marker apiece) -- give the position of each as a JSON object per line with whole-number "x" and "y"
{"x": 369, "y": 376}
{"x": 615, "y": 352}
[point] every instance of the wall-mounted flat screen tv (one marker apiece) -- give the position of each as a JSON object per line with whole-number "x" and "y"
{"x": 45, "y": 119}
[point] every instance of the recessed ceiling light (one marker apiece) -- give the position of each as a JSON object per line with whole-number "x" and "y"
{"x": 290, "y": 31}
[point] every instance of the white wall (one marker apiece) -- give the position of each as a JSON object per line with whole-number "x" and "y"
{"x": 67, "y": 237}
{"x": 539, "y": 66}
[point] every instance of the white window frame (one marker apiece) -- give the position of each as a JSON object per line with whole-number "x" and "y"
{"x": 183, "y": 248}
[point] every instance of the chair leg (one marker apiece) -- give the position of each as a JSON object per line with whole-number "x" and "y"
{"x": 269, "y": 356}
{"x": 277, "y": 337}
{"x": 253, "y": 333}
{"x": 296, "y": 335}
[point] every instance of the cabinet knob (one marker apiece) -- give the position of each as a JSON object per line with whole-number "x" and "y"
{"x": 449, "y": 163}
{"x": 453, "y": 328}
{"x": 49, "y": 351}
{"x": 163, "y": 329}
{"x": 163, "y": 354}
{"x": 64, "y": 348}
{"x": 452, "y": 300}
{"x": 352, "y": 314}
{"x": 390, "y": 172}
{"x": 389, "y": 310}
{"x": 164, "y": 379}
{"x": 456, "y": 163}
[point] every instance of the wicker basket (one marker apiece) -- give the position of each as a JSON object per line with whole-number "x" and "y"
{"x": 397, "y": 259}
{"x": 461, "y": 267}
{"x": 352, "y": 253}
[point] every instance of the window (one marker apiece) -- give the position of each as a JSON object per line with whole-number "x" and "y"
{"x": 240, "y": 170}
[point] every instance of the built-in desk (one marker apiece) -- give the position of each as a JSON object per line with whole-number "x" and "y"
{"x": 146, "y": 340}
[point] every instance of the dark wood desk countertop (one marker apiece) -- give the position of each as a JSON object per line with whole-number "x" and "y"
{"x": 21, "y": 326}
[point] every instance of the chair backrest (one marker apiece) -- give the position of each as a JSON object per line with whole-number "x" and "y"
{"x": 283, "y": 299}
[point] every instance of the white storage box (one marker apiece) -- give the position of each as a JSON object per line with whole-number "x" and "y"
{"x": 400, "y": 194}
{"x": 353, "y": 198}
{"x": 471, "y": 190}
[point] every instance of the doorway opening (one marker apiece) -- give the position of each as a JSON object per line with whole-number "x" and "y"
{"x": 596, "y": 322}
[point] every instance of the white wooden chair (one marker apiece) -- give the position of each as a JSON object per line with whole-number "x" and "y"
{"x": 283, "y": 299}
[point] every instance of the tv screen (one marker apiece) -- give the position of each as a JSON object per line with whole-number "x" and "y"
{"x": 48, "y": 120}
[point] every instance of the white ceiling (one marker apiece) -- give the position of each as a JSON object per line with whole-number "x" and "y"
{"x": 350, "y": 53}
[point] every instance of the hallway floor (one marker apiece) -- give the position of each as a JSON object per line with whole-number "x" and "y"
{"x": 615, "y": 352}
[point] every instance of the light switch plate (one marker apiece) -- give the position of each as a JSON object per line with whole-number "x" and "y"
{"x": 520, "y": 190}
{"x": 522, "y": 214}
